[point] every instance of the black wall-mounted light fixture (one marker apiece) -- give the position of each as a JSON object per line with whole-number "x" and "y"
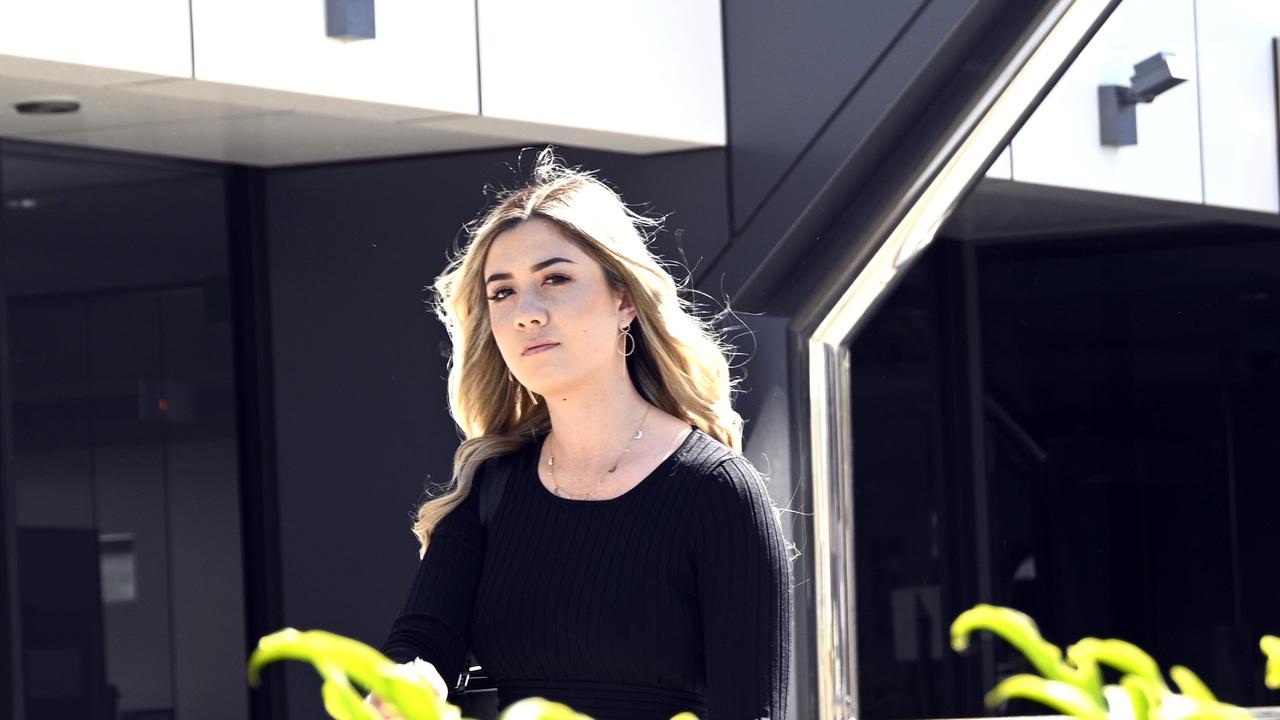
{"x": 349, "y": 19}
{"x": 1117, "y": 104}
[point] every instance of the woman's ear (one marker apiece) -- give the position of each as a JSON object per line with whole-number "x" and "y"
{"x": 626, "y": 309}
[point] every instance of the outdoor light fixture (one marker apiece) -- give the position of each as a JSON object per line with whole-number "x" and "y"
{"x": 47, "y": 106}
{"x": 349, "y": 19}
{"x": 1117, "y": 103}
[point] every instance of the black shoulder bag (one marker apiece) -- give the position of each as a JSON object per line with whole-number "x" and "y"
{"x": 474, "y": 694}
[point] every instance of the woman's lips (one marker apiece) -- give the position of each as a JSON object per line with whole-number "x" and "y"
{"x": 540, "y": 348}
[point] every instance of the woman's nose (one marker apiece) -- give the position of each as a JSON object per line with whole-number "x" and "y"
{"x": 529, "y": 309}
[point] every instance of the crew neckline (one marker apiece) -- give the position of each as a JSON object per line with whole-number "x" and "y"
{"x": 666, "y": 462}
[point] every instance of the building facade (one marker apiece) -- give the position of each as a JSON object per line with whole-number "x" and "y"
{"x": 1004, "y": 277}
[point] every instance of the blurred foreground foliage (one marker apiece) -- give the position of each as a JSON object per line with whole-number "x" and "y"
{"x": 1071, "y": 683}
{"x": 344, "y": 663}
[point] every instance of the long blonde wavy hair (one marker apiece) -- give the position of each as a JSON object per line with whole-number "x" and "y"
{"x": 680, "y": 362}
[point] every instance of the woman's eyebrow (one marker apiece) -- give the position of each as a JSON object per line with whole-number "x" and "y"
{"x": 532, "y": 268}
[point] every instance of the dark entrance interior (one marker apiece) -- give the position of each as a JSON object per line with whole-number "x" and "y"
{"x": 1082, "y": 425}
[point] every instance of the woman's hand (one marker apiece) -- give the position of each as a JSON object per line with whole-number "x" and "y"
{"x": 417, "y": 670}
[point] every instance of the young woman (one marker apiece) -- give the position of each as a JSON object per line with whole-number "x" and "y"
{"x": 635, "y": 566}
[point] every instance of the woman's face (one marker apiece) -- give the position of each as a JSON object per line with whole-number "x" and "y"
{"x": 542, "y": 287}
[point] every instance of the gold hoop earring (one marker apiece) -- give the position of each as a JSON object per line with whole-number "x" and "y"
{"x": 625, "y": 335}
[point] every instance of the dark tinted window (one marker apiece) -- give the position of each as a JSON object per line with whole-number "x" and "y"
{"x": 122, "y": 469}
{"x": 1085, "y": 431}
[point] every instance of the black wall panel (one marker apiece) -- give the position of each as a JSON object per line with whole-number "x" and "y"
{"x": 787, "y": 72}
{"x": 868, "y": 119}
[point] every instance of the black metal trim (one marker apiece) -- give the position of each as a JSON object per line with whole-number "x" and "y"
{"x": 817, "y": 219}
{"x": 259, "y": 491}
{"x": 11, "y": 683}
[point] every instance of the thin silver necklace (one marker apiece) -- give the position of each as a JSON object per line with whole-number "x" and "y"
{"x": 551, "y": 463}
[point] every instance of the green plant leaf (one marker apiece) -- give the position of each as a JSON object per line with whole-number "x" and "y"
{"x": 1142, "y": 695}
{"x": 1119, "y": 703}
{"x": 412, "y": 695}
{"x": 1126, "y": 657}
{"x": 1271, "y": 646}
{"x": 1191, "y": 685}
{"x": 392, "y": 683}
{"x": 1018, "y": 630}
{"x": 333, "y": 703}
{"x": 1061, "y": 696}
{"x": 1074, "y": 685}
{"x": 341, "y": 700}
{"x": 359, "y": 661}
{"x": 1207, "y": 707}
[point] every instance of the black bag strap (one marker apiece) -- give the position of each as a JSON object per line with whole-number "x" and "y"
{"x": 495, "y": 481}
{"x": 496, "y": 471}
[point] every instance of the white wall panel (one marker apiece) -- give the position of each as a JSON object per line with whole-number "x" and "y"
{"x": 1238, "y": 102}
{"x": 653, "y": 68}
{"x": 424, "y": 54}
{"x": 149, "y": 36}
{"x": 1059, "y": 145}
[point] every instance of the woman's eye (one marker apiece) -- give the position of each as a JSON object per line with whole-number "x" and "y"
{"x": 498, "y": 296}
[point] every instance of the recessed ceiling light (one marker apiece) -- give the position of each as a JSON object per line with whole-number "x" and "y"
{"x": 47, "y": 106}
{"x": 23, "y": 203}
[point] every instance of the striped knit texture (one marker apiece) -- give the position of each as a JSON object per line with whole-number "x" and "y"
{"x": 673, "y": 596}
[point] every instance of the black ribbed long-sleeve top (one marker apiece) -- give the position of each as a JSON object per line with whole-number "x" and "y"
{"x": 673, "y": 596}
